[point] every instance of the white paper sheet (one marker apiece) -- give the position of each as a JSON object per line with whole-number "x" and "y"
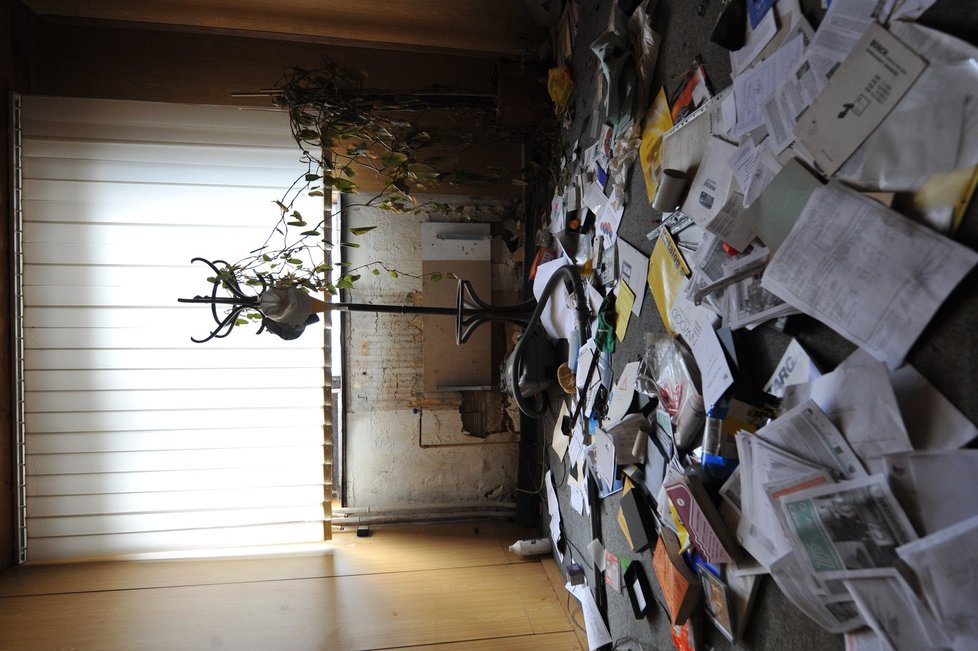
{"x": 868, "y": 272}
{"x": 806, "y": 432}
{"x": 795, "y": 581}
{"x": 946, "y": 565}
{"x": 932, "y": 422}
{"x": 869, "y": 83}
{"x": 794, "y": 367}
{"x": 789, "y": 21}
{"x": 757, "y": 39}
{"x": 759, "y": 530}
{"x": 712, "y": 202}
{"x": 859, "y": 400}
{"x": 937, "y": 119}
{"x": 754, "y": 86}
{"x": 695, "y": 325}
{"x": 594, "y": 626}
{"x": 840, "y": 29}
{"x": 553, "y": 507}
{"x": 891, "y": 609}
{"x": 623, "y": 393}
{"x": 847, "y": 527}
{"x": 607, "y": 222}
{"x": 594, "y": 197}
{"x": 559, "y": 318}
{"x": 558, "y": 440}
{"x": 633, "y": 268}
{"x": 604, "y": 456}
{"x": 865, "y": 639}
{"x": 910, "y": 9}
{"x": 937, "y": 489}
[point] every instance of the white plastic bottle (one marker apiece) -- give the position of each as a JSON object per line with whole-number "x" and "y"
{"x": 531, "y": 547}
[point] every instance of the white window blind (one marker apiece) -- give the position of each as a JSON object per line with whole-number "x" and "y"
{"x": 138, "y": 440}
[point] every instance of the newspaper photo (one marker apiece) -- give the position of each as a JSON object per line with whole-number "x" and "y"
{"x": 849, "y": 526}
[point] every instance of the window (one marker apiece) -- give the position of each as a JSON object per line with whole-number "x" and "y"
{"x": 135, "y": 439}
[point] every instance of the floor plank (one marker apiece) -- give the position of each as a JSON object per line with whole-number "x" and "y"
{"x": 388, "y": 549}
{"x": 544, "y": 642}
{"x": 348, "y": 612}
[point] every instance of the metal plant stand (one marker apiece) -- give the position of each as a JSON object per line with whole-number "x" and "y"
{"x": 470, "y": 311}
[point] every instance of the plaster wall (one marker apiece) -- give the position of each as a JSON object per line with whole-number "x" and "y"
{"x": 389, "y": 468}
{"x": 404, "y": 446}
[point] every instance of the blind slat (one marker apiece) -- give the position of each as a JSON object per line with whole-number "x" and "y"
{"x": 187, "y": 540}
{"x": 135, "y": 482}
{"x": 201, "y": 378}
{"x": 175, "y": 399}
{"x": 184, "y": 439}
{"x": 184, "y": 500}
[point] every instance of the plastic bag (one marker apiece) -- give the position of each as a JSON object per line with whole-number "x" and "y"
{"x": 667, "y": 371}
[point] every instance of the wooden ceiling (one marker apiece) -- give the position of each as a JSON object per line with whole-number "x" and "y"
{"x": 487, "y": 27}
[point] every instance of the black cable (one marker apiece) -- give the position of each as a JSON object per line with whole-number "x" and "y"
{"x": 567, "y": 272}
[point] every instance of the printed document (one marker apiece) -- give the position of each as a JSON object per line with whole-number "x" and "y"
{"x": 861, "y": 403}
{"x": 846, "y": 527}
{"x": 946, "y": 564}
{"x": 840, "y": 29}
{"x": 872, "y": 79}
{"x": 885, "y": 600}
{"x": 868, "y": 272}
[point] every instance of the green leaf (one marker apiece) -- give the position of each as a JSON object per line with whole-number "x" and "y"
{"x": 281, "y": 206}
{"x": 435, "y": 277}
{"x": 344, "y": 185}
{"x": 393, "y": 273}
{"x": 361, "y": 230}
{"x": 393, "y": 158}
{"x": 296, "y": 223}
{"x": 376, "y": 272}
{"x": 425, "y": 172}
{"x": 310, "y": 233}
{"x": 315, "y": 193}
{"x": 296, "y": 261}
{"x": 240, "y": 321}
{"x": 352, "y": 245}
{"x": 266, "y": 258}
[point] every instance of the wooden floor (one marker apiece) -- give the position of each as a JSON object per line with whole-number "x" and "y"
{"x": 403, "y": 587}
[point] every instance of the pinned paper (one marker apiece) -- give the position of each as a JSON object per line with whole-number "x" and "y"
{"x": 633, "y": 268}
{"x": 658, "y": 120}
{"x": 667, "y": 274}
{"x": 623, "y": 310}
{"x": 876, "y": 74}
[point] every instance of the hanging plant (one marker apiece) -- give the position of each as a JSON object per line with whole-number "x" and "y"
{"x": 346, "y": 131}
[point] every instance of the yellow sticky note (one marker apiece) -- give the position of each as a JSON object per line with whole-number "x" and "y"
{"x": 658, "y": 120}
{"x": 623, "y": 309}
